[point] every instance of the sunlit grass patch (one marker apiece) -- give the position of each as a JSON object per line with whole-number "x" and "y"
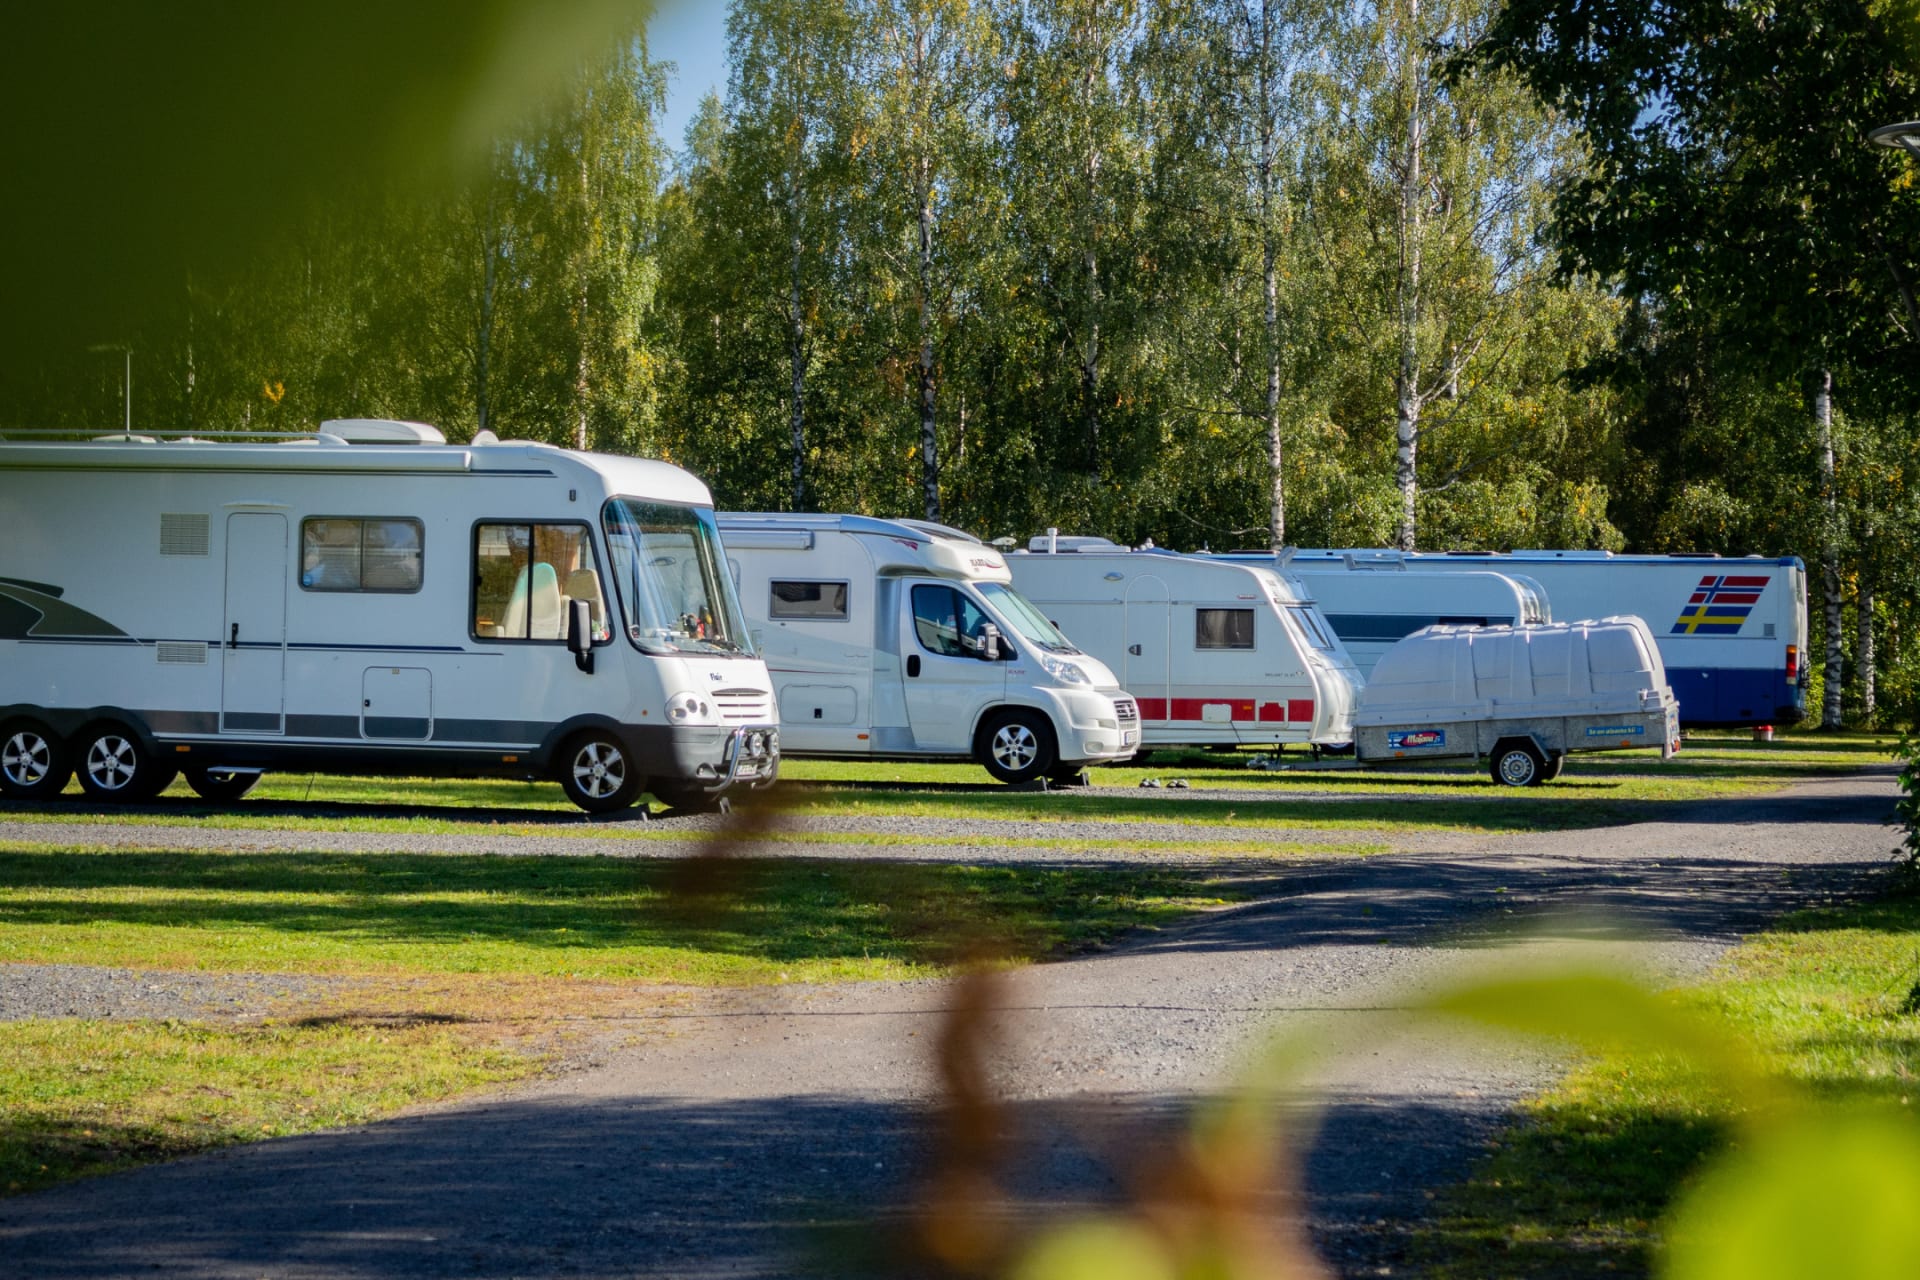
{"x": 1578, "y": 1186}
{"x": 599, "y": 918}
{"x": 88, "y": 1097}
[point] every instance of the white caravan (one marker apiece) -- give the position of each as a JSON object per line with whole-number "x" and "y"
{"x": 1732, "y": 631}
{"x": 1216, "y": 653}
{"x": 1372, "y": 612}
{"x": 899, "y": 639}
{"x": 218, "y": 607}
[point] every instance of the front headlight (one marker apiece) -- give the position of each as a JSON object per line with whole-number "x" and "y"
{"x": 1063, "y": 671}
{"x": 682, "y": 706}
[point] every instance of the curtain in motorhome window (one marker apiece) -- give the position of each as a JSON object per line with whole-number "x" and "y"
{"x": 820, "y": 601}
{"x": 360, "y": 554}
{"x": 1223, "y": 628}
{"x": 524, "y": 576}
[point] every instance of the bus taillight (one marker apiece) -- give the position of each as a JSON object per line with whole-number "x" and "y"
{"x": 1793, "y": 662}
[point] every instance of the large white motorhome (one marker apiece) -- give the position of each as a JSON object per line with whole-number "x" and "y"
{"x": 1732, "y": 631}
{"x": 1372, "y": 612}
{"x": 900, "y": 639}
{"x": 1216, "y": 653}
{"x": 368, "y": 599}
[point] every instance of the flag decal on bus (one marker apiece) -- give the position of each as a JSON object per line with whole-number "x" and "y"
{"x": 1719, "y": 605}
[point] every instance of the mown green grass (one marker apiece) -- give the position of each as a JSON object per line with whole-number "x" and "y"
{"x": 80, "y": 1098}
{"x": 594, "y": 918}
{"x": 1577, "y": 1188}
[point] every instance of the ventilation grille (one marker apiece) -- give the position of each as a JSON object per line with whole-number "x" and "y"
{"x": 183, "y": 535}
{"x": 744, "y": 704}
{"x": 183, "y": 653}
{"x": 1126, "y": 710}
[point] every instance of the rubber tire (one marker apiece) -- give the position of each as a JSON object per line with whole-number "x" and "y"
{"x": 114, "y": 766}
{"x": 1016, "y": 746}
{"x": 1554, "y": 765}
{"x": 33, "y": 761}
{"x": 1517, "y": 765}
{"x": 222, "y": 786}
{"x": 586, "y": 765}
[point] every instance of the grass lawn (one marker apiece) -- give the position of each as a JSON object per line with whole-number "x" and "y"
{"x": 1577, "y": 1188}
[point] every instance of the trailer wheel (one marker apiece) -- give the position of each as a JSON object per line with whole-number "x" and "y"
{"x": 33, "y": 762}
{"x": 222, "y": 786}
{"x": 114, "y": 766}
{"x": 1518, "y": 764}
{"x": 598, "y": 774}
{"x": 1016, "y": 746}
{"x": 1555, "y": 763}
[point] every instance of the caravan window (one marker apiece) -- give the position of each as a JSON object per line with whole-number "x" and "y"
{"x": 819, "y": 601}
{"x": 1310, "y": 624}
{"x": 671, "y": 579}
{"x": 341, "y": 553}
{"x": 1223, "y": 628}
{"x": 524, "y": 575}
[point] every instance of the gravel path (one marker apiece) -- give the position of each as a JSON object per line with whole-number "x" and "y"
{"x": 739, "y": 1116}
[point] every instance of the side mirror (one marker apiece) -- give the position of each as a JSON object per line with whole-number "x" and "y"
{"x": 580, "y": 634}
{"x": 989, "y": 643}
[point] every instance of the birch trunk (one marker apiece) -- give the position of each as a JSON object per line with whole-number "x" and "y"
{"x": 1835, "y": 668}
{"x": 1863, "y": 655}
{"x": 1270, "y": 284}
{"x": 1406, "y": 389}
{"x": 583, "y": 366}
{"x": 929, "y": 440}
{"x": 797, "y": 370}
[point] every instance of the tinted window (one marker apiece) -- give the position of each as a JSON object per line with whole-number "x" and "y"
{"x": 808, "y": 600}
{"x": 947, "y": 622}
{"x": 1223, "y": 628}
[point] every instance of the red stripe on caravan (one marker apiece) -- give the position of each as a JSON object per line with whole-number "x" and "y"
{"x": 1190, "y": 708}
{"x": 1272, "y": 713}
{"x": 1294, "y": 710}
{"x": 1152, "y": 708}
{"x": 1300, "y": 709}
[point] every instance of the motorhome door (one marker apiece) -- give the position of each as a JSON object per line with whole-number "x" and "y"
{"x": 253, "y": 640}
{"x": 1147, "y": 667}
{"x": 947, "y": 681}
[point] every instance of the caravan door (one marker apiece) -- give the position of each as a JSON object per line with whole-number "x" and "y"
{"x": 1146, "y": 670}
{"x": 253, "y": 639}
{"x": 947, "y": 681}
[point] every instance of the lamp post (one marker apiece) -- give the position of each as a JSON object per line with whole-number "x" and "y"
{"x": 1905, "y": 137}
{"x": 126, "y": 380}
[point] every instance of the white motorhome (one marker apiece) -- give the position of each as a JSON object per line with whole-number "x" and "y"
{"x": 368, "y": 599}
{"x": 1372, "y": 612}
{"x": 1216, "y": 653}
{"x": 1732, "y": 631}
{"x": 900, "y": 639}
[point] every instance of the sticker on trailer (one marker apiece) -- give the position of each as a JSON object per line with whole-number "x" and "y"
{"x": 1719, "y": 605}
{"x": 1400, "y": 739}
{"x": 1617, "y": 731}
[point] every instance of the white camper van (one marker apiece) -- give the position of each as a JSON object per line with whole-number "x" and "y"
{"x": 218, "y": 607}
{"x": 898, "y": 639}
{"x": 1732, "y": 631}
{"x": 1216, "y": 653}
{"x": 1372, "y": 612}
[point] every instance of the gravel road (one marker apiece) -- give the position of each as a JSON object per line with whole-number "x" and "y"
{"x": 734, "y": 1119}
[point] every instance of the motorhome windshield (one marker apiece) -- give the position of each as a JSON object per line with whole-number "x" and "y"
{"x": 674, "y": 591}
{"x": 1024, "y": 617}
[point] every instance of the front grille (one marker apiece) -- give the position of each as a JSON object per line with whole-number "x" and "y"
{"x": 1126, "y": 710}
{"x": 745, "y": 705}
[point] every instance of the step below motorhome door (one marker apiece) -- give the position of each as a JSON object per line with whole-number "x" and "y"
{"x": 253, "y": 638}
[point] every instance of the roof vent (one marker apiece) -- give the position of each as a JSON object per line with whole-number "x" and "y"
{"x": 382, "y": 431}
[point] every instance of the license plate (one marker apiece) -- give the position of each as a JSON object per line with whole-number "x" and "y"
{"x": 1129, "y": 737}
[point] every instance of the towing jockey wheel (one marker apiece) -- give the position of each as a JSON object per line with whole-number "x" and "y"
{"x": 1518, "y": 764}
{"x": 114, "y": 766}
{"x": 33, "y": 762}
{"x": 222, "y": 786}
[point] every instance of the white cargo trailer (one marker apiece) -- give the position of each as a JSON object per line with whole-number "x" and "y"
{"x": 1523, "y": 698}
{"x": 224, "y": 606}
{"x": 900, "y": 639}
{"x": 1371, "y": 612}
{"x": 1731, "y": 630}
{"x": 1216, "y": 653}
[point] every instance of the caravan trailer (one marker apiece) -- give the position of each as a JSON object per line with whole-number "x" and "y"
{"x": 368, "y": 599}
{"x": 1372, "y": 612}
{"x": 1216, "y": 653}
{"x": 1732, "y": 631}
{"x": 901, "y": 639}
